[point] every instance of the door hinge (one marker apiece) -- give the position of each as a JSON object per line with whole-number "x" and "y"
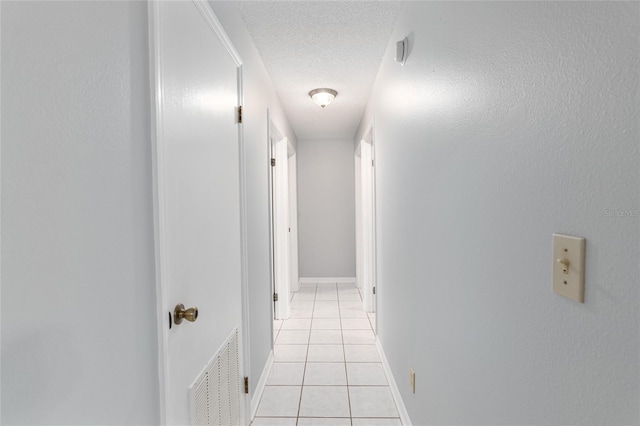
{"x": 240, "y": 114}
{"x": 246, "y": 385}
{"x": 273, "y": 162}
{"x": 275, "y": 297}
{"x": 372, "y": 163}
{"x": 289, "y": 229}
{"x": 374, "y": 290}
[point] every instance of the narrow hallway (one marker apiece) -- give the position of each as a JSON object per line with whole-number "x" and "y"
{"x": 171, "y": 171}
{"x": 326, "y": 367}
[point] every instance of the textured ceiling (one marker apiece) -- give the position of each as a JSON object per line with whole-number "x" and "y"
{"x": 310, "y": 44}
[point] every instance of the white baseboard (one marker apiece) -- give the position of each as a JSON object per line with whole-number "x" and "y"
{"x": 317, "y": 280}
{"x": 255, "y": 398}
{"x": 402, "y": 410}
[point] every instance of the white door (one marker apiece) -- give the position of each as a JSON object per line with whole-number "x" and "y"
{"x": 294, "y": 278}
{"x": 367, "y": 224}
{"x": 281, "y": 228}
{"x": 197, "y": 201}
{"x": 374, "y": 234}
{"x": 359, "y": 242}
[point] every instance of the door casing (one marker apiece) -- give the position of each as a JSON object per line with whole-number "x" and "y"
{"x": 280, "y": 242}
{"x": 292, "y": 169}
{"x": 366, "y": 221}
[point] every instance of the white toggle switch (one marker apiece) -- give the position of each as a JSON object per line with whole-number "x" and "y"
{"x": 568, "y": 266}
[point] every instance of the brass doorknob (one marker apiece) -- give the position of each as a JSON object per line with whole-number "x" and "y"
{"x": 181, "y": 313}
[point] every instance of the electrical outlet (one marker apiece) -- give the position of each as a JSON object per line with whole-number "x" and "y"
{"x": 412, "y": 379}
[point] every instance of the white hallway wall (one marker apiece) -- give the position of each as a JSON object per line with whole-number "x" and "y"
{"x": 258, "y": 96}
{"x": 78, "y": 283}
{"x": 326, "y": 202}
{"x": 509, "y": 122}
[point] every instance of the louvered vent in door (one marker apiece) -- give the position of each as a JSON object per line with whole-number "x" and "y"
{"x": 215, "y": 394}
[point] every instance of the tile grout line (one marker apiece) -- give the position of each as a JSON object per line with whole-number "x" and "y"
{"x": 306, "y": 361}
{"x": 304, "y": 370}
{"x": 344, "y": 355}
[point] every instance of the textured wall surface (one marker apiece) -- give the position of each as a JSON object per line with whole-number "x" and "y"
{"x": 258, "y": 96}
{"x": 509, "y": 122}
{"x": 326, "y": 202}
{"x": 78, "y": 287}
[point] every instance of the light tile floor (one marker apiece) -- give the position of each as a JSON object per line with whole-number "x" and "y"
{"x": 326, "y": 367}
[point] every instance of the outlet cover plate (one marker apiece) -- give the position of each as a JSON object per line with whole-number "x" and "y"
{"x": 570, "y": 283}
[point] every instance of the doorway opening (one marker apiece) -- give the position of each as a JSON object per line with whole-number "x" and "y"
{"x": 284, "y": 223}
{"x": 365, "y": 225}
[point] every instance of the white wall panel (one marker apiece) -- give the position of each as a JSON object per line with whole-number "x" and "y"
{"x": 326, "y": 203}
{"x": 78, "y": 285}
{"x": 509, "y": 122}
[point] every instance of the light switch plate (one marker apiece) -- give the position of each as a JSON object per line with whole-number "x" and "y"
{"x": 568, "y": 266}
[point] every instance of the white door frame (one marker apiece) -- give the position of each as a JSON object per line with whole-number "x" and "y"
{"x": 273, "y": 133}
{"x": 294, "y": 276}
{"x": 244, "y": 254}
{"x": 359, "y": 248}
{"x": 367, "y": 225}
{"x": 371, "y": 136}
{"x": 156, "y": 136}
{"x": 279, "y": 220}
{"x": 365, "y": 221}
{"x": 281, "y": 225}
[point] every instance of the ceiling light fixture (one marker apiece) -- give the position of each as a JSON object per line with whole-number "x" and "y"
{"x": 323, "y": 97}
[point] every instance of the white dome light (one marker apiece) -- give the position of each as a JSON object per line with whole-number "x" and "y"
{"x": 323, "y": 97}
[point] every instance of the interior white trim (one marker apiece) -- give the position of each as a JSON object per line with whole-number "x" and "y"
{"x": 366, "y": 223}
{"x": 292, "y": 169}
{"x": 207, "y": 13}
{"x": 272, "y": 133}
{"x": 358, "y": 201}
{"x": 374, "y": 217}
{"x": 0, "y": 199}
{"x": 281, "y": 235}
{"x": 402, "y": 410}
{"x": 156, "y": 162}
{"x": 245, "y": 341}
{"x": 316, "y": 280}
{"x": 262, "y": 382}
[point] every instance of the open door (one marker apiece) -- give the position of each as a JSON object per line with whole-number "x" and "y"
{"x": 280, "y": 204}
{"x": 198, "y": 215}
{"x": 359, "y": 242}
{"x": 365, "y": 222}
{"x": 292, "y": 168}
{"x": 374, "y": 234}
{"x": 279, "y": 194}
